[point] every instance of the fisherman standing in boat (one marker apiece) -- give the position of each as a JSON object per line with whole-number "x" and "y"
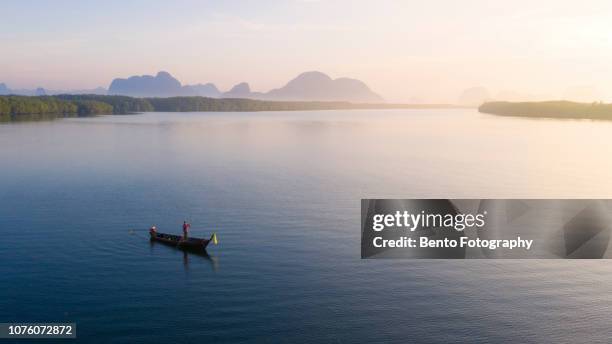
{"x": 186, "y": 227}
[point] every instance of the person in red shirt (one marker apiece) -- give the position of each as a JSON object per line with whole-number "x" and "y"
{"x": 186, "y": 227}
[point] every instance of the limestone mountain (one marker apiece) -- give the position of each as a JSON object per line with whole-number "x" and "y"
{"x": 204, "y": 90}
{"x": 319, "y": 86}
{"x": 161, "y": 85}
{"x": 309, "y": 86}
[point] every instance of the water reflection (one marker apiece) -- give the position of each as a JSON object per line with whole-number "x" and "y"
{"x": 214, "y": 263}
{"x": 189, "y": 254}
{"x": 289, "y": 203}
{"x": 34, "y": 117}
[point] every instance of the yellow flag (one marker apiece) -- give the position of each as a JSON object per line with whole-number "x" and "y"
{"x": 214, "y": 239}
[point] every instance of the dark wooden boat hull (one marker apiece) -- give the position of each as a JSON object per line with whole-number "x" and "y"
{"x": 177, "y": 240}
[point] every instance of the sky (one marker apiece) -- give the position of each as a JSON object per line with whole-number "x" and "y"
{"x": 421, "y": 51}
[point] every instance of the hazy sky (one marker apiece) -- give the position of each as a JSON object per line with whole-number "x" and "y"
{"x": 431, "y": 50}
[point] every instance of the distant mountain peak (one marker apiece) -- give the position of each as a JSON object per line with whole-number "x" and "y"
{"x": 313, "y": 75}
{"x": 315, "y": 85}
{"x": 204, "y": 90}
{"x": 164, "y": 74}
{"x": 474, "y": 96}
{"x": 241, "y": 90}
{"x": 161, "y": 85}
{"x": 308, "y": 79}
{"x": 307, "y": 86}
{"x": 241, "y": 87}
{"x": 40, "y": 91}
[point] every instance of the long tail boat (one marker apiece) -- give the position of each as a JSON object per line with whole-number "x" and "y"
{"x": 180, "y": 242}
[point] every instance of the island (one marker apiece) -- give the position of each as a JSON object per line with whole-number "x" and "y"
{"x": 14, "y": 107}
{"x": 550, "y": 109}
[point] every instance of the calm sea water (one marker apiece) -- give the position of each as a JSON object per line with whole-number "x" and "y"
{"x": 282, "y": 192}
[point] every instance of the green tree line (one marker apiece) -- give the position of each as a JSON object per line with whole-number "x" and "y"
{"x": 182, "y": 104}
{"x": 549, "y": 109}
{"x": 121, "y": 105}
{"x": 15, "y": 107}
{"x": 19, "y": 105}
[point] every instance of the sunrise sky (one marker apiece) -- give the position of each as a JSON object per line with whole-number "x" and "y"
{"x": 428, "y": 51}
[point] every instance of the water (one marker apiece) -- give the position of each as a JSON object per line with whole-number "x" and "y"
{"x": 282, "y": 192}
